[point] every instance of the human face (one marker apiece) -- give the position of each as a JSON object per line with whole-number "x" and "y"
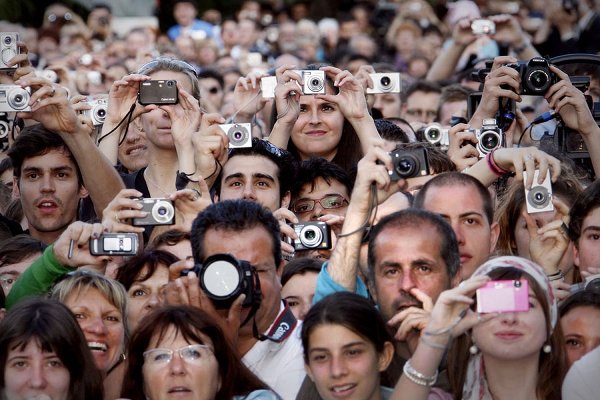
{"x": 343, "y": 365}
{"x": 421, "y": 107}
{"x": 31, "y": 373}
{"x": 195, "y": 380}
{"x": 581, "y": 331}
{"x": 182, "y": 249}
{"x": 133, "y": 153}
{"x": 452, "y": 109}
{"x": 102, "y": 325}
{"x": 521, "y": 235}
{"x": 212, "y": 91}
{"x": 254, "y": 245}
{"x": 407, "y": 258}
{"x": 10, "y": 273}
{"x": 144, "y": 296}
{"x": 254, "y": 178}
{"x": 156, "y": 123}
{"x": 388, "y": 104}
{"x": 49, "y": 191}
{"x": 184, "y": 13}
{"x": 299, "y": 291}
{"x": 465, "y": 213}
{"x": 318, "y": 129}
{"x": 513, "y": 336}
{"x": 587, "y": 251}
{"x": 322, "y": 189}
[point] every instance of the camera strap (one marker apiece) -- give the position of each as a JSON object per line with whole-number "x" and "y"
{"x": 281, "y": 329}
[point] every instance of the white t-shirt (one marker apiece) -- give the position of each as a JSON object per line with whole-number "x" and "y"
{"x": 582, "y": 382}
{"x": 279, "y": 365}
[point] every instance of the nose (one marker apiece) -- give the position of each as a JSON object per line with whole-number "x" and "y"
{"x": 153, "y": 301}
{"x": 37, "y": 378}
{"x": 97, "y": 326}
{"x": 406, "y": 282}
{"x": 314, "y": 116}
{"x": 510, "y": 318}
{"x": 248, "y": 193}
{"x": 377, "y": 103}
{"x": 458, "y": 231}
{"x": 303, "y": 311}
{"x": 176, "y": 366}
{"x": 47, "y": 183}
{"x": 338, "y": 367}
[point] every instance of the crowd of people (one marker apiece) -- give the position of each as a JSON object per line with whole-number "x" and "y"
{"x": 398, "y": 201}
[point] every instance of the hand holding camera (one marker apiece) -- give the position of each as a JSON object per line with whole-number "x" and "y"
{"x": 351, "y": 98}
{"x": 185, "y": 118}
{"x": 311, "y": 236}
{"x": 210, "y": 145}
{"x": 239, "y": 135}
{"x": 158, "y": 92}
{"x": 116, "y": 217}
{"x": 502, "y": 82}
{"x": 536, "y": 76}
{"x": 97, "y": 109}
{"x": 462, "y": 148}
{"x": 72, "y": 247}
{"x": 489, "y": 138}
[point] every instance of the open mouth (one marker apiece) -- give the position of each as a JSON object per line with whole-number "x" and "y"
{"x": 179, "y": 389}
{"x": 343, "y": 388}
{"x": 135, "y": 150}
{"x": 96, "y": 346}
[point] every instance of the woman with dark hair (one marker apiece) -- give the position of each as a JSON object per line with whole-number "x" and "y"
{"x": 346, "y": 347}
{"x": 181, "y": 349}
{"x": 517, "y": 353}
{"x": 44, "y": 355}
{"x": 298, "y": 284}
{"x": 145, "y": 278}
{"x": 580, "y": 322}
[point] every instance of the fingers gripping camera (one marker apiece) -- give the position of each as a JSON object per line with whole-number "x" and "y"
{"x": 408, "y": 163}
{"x": 536, "y": 76}
{"x": 98, "y": 111}
{"x": 539, "y": 197}
{"x": 14, "y": 98}
{"x": 312, "y": 236}
{"x": 239, "y": 135}
{"x": 314, "y": 81}
{"x": 489, "y": 137}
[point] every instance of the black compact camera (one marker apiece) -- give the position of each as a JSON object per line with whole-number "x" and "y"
{"x": 223, "y": 278}
{"x": 114, "y": 244}
{"x": 312, "y": 236}
{"x": 160, "y": 212}
{"x": 8, "y": 49}
{"x": 409, "y": 163}
{"x": 158, "y": 92}
{"x": 536, "y": 77}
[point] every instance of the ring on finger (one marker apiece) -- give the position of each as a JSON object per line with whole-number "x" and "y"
{"x": 197, "y": 194}
{"x": 53, "y": 91}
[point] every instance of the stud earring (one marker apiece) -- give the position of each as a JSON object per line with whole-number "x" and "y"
{"x": 547, "y": 349}
{"x": 473, "y": 349}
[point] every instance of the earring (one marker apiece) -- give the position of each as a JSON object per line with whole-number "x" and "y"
{"x": 473, "y": 349}
{"x": 547, "y": 349}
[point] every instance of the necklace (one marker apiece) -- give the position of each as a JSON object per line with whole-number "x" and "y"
{"x": 150, "y": 181}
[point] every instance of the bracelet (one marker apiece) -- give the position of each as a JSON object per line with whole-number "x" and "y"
{"x": 416, "y": 377}
{"x": 431, "y": 344}
{"x": 496, "y": 169}
{"x": 556, "y": 276}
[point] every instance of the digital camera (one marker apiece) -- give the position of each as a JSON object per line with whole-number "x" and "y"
{"x": 267, "y": 86}
{"x": 536, "y": 77}
{"x": 489, "y": 137}
{"x": 539, "y": 197}
{"x": 14, "y": 98}
{"x": 160, "y": 212}
{"x": 223, "y": 278}
{"x": 239, "y": 135}
{"x": 97, "y": 113}
{"x": 409, "y": 163}
{"x": 388, "y": 82}
{"x": 483, "y": 27}
{"x": 8, "y": 49}
{"x": 503, "y": 296}
{"x": 158, "y": 92}
{"x": 590, "y": 283}
{"x": 115, "y": 244}
{"x": 312, "y": 236}
{"x": 4, "y": 130}
{"x": 49, "y": 74}
{"x": 314, "y": 81}
{"x": 436, "y": 135}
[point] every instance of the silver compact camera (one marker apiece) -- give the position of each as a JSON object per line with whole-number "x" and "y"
{"x": 590, "y": 283}
{"x": 240, "y": 135}
{"x": 114, "y": 244}
{"x": 388, "y": 82}
{"x": 97, "y": 113}
{"x": 160, "y": 212}
{"x": 8, "y": 49}
{"x": 312, "y": 236}
{"x": 489, "y": 137}
{"x": 539, "y": 197}
{"x": 14, "y": 98}
{"x": 483, "y": 27}
{"x": 436, "y": 135}
{"x": 314, "y": 81}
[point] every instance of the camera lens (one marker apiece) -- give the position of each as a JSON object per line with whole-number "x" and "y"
{"x": 163, "y": 212}
{"x": 7, "y": 40}
{"x": 593, "y": 284}
{"x": 100, "y": 113}
{"x": 538, "y": 80}
{"x": 3, "y": 129}
{"x": 315, "y": 84}
{"x": 489, "y": 141}
{"x": 311, "y": 236}
{"x": 433, "y": 134}
{"x": 539, "y": 197}
{"x": 170, "y": 83}
{"x": 221, "y": 278}
{"x": 406, "y": 166}
{"x": 238, "y": 135}
{"x": 18, "y": 99}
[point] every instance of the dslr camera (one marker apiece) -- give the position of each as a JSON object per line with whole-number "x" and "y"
{"x": 114, "y": 244}
{"x": 385, "y": 83}
{"x": 536, "y": 77}
{"x": 409, "y": 163}
{"x": 98, "y": 111}
{"x": 314, "y": 81}
{"x": 489, "y": 137}
{"x": 312, "y": 236}
{"x": 239, "y": 135}
{"x": 223, "y": 278}
{"x": 436, "y": 135}
{"x": 14, "y": 98}
{"x": 8, "y": 49}
{"x": 539, "y": 197}
{"x": 160, "y": 212}
{"x": 158, "y": 92}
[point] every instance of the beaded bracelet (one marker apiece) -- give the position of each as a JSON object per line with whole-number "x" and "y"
{"x": 556, "y": 276}
{"x": 416, "y": 377}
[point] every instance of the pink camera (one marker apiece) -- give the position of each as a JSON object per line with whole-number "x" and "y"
{"x": 503, "y": 296}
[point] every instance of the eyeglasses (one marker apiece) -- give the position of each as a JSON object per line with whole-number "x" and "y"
{"x": 328, "y": 202}
{"x": 192, "y": 354}
{"x": 157, "y": 62}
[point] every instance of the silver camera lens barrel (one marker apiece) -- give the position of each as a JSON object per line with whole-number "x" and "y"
{"x": 538, "y": 197}
{"x": 100, "y": 113}
{"x": 488, "y": 141}
{"x": 237, "y": 135}
{"x": 310, "y": 236}
{"x": 18, "y": 98}
{"x": 315, "y": 84}
{"x": 3, "y": 129}
{"x": 163, "y": 211}
{"x": 433, "y": 133}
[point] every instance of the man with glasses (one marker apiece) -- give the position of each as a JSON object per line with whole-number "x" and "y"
{"x": 420, "y": 102}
